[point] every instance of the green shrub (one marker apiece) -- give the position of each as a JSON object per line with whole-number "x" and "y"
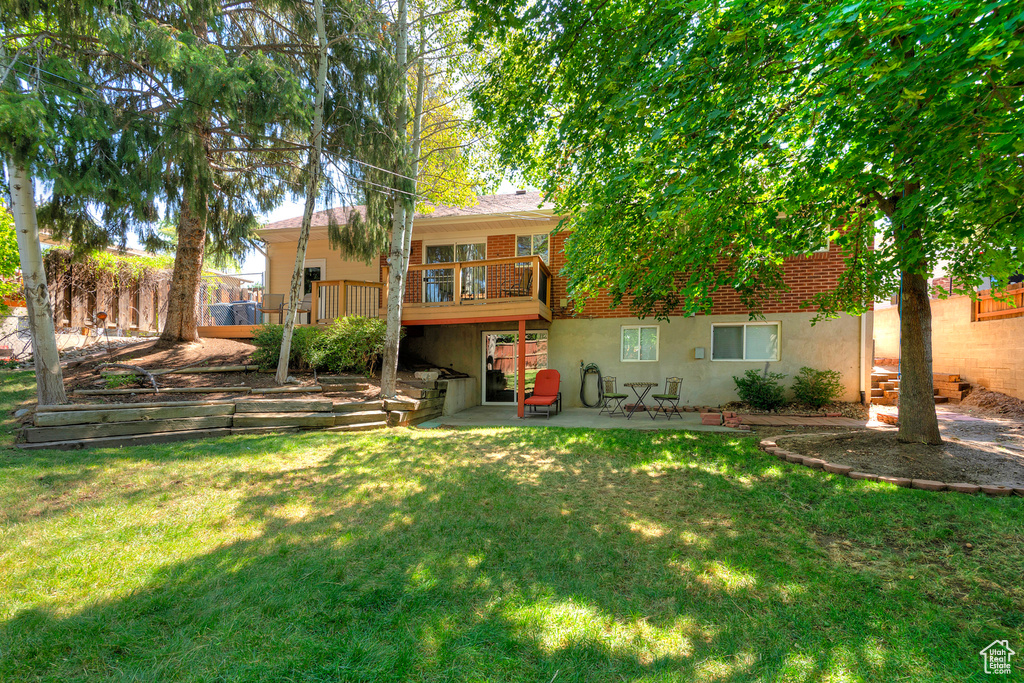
{"x": 352, "y": 344}
{"x": 763, "y": 391}
{"x": 268, "y": 346}
{"x": 817, "y": 388}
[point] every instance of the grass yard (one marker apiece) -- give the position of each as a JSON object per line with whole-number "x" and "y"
{"x": 494, "y": 554}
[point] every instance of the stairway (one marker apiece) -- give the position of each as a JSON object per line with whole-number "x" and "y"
{"x": 885, "y": 387}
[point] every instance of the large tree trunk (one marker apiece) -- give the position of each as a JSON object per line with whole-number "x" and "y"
{"x": 49, "y": 379}
{"x": 312, "y": 190}
{"x": 396, "y": 258}
{"x": 918, "y": 422}
{"x": 182, "y": 323}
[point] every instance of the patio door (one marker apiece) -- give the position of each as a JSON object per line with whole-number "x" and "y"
{"x": 501, "y": 364}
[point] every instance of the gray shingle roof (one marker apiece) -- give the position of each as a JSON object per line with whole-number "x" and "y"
{"x": 493, "y": 204}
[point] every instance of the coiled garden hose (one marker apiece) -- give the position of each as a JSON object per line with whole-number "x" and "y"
{"x": 587, "y": 370}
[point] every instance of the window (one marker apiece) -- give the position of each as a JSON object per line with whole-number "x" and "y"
{"x": 533, "y": 245}
{"x": 751, "y": 341}
{"x": 439, "y": 284}
{"x": 639, "y": 343}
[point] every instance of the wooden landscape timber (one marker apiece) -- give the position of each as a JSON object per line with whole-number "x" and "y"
{"x": 284, "y": 420}
{"x": 248, "y": 405}
{"x": 120, "y": 424}
{"x": 90, "y": 431}
{"x": 144, "y": 414}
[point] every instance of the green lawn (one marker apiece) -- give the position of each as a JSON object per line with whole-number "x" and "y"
{"x": 491, "y": 554}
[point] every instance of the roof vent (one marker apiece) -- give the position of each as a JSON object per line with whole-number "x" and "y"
{"x": 520, "y": 191}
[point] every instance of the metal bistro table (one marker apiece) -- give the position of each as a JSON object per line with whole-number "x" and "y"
{"x": 640, "y": 389}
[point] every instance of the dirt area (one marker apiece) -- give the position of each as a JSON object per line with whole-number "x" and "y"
{"x": 981, "y": 401}
{"x": 976, "y": 451}
{"x": 148, "y": 355}
{"x": 83, "y": 373}
{"x": 857, "y": 411}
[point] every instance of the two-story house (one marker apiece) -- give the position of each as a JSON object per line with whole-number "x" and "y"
{"x": 484, "y": 297}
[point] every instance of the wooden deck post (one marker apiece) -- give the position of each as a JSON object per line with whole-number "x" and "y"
{"x": 522, "y": 368}
{"x": 314, "y": 305}
{"x": 343, "y": 299}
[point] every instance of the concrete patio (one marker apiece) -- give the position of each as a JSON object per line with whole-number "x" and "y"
{"x": 589, "y": 418}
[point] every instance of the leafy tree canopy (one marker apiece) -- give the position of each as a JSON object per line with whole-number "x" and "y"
{"x": 681, "y": 137}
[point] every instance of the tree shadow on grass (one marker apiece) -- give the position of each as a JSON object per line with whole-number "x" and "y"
{"x": 537, "y": 555}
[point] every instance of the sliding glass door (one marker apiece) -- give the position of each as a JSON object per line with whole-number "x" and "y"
{"x": 501, "y": 364}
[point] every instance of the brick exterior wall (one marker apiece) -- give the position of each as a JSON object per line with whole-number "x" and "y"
{"x": 805, "y": 275}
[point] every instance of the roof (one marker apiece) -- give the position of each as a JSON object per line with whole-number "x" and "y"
{"x": 528, "y": 206}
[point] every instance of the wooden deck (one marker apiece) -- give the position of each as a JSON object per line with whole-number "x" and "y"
{"x": 487, "y": 291}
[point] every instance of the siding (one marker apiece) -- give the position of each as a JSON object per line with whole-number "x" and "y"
{"x": 282, "y": 263}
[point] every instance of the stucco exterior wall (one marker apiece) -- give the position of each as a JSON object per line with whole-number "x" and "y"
{"x": 833, "y": 344}
{"x": 987, "y": 353}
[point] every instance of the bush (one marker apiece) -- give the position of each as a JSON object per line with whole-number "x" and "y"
{"x": 763, "y": 391}
{"x": 268, "y": 345}
{"x": 352, "y": 344}
{"x": 817, "y": 388}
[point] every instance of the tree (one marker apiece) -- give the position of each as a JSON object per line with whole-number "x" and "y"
{"x": 434, "y": 144}
{"x": 189, "y": 111}
{"x": 49, "y": 379}
{"x": 314, "y": 171}
{"x": 697, "y": 146}
{"x": 9, "y": 260}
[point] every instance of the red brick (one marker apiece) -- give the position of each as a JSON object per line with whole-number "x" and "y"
{"x": 928, "y": 485}
{"x": 997, "y": 490}
{"x": 898, "y": 481}
{"x": 964, "y": 488}
{"x": 863, "y": 475}
{"x": 837, "y": 469}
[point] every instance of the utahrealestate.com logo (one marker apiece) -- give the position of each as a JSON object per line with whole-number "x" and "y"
{"x": 997, "y": 657}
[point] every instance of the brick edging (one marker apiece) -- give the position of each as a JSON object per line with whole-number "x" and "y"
{"x": 771, "y": 447}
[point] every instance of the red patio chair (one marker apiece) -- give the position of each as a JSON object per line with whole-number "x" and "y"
{"x": 545, "y": 392}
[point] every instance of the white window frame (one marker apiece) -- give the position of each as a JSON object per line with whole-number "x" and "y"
{"x": 778, "y": 346}
{"x": 444, "y": 242}
{"x": 531, "y": 235}
{"x": 638, "y": 327}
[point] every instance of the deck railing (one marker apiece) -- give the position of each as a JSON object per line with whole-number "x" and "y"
{"x": 1008, "y": 303}
{"x": 337, "y": 298}
{"x": 474, "y": 283}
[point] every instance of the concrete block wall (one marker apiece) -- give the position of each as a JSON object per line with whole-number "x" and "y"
{"x": 988, "y": 353}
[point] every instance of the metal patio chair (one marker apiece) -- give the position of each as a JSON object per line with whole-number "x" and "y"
{"x": 669, "y": 399}
{"x": 521, "y": 286}
{"x": 612, "y": 399}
